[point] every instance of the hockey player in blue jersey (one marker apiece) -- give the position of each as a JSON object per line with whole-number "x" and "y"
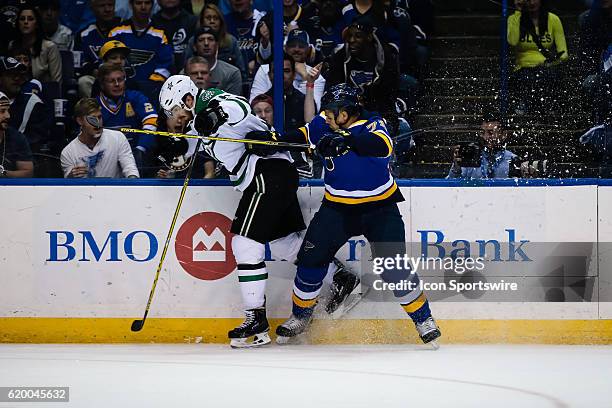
{"x": 361, "y": 198}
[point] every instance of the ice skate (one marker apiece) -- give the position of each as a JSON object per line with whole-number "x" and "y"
{"x": 255, "y": 326}
{"x": 341, "y": 299}
{"x": 293, "y": 327}
{"x": 429, "y": 332}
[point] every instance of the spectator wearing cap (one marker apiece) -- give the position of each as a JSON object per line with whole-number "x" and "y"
{"x": 115, "y": 52}
{"x": 96, "y": 152}
{"x": 46, "y": 59}
{"x": 28, "y": 112}
{"x": 221, "y": 74}
{"x": 58, "y": 33}
{"x": 369, "y": 65}
{"x": 299, "y": 48}
{"x": 150, "y": 53}
{"x": 89, "y": 41}
{"x": 198, "y": 69}
{"x": 127, "y": 108}
{"x": 15, "y": 155}
{"x": 30, "y": 85}
{"x": 179, "y": 26}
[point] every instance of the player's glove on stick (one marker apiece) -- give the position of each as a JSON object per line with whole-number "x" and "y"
{"x": 333, "y": 144}
{"x": 261, "y": 149}
{"x": 210, "y": 119}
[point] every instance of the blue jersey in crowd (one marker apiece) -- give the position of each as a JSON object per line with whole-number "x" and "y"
{"x": 133, "y": 110}
{"x": 351, "y": 178}
{"x": 150, "y": 53}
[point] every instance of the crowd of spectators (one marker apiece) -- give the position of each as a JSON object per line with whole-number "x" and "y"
{"x": 68, "y": 67}
{"x": 72, "y": 72}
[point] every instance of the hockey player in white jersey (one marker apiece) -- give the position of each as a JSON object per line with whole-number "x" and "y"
{"x": 268, "y": 211}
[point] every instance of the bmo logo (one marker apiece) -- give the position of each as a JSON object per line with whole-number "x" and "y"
{"x": 203, "y": 246}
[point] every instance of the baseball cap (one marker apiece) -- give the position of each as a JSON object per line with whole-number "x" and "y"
{"x": 113, "y": 45}
{"x": 4, "y": 100}
{"x": 206, "y": 30}
{"x": 299, "y": 36}
{"x": 11, "y": 64}
{"x": 362, "y": 23}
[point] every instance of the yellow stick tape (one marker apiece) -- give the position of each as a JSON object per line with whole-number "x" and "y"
{"x": 178, "y": 330}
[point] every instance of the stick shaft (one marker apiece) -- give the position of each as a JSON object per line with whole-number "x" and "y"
{"x": 220, "y": 139}
{"x": 170, "y": 231}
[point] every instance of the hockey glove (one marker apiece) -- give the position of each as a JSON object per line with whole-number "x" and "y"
{"x": 333, "y": 144}
{"x": 210, "y": 119}
{"x": 262, "y": 149}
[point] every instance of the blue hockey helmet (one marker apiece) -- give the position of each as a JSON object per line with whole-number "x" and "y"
{"x": 341, "y": 96}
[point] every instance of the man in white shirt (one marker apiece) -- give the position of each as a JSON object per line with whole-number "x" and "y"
{"x": 97, "y": 152}
{"x": 298, "y": 46}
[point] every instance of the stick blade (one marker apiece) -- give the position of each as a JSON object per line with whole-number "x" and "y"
{"x": 137, "y": 325}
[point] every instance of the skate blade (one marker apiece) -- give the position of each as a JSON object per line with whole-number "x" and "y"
{"x": 259, "y": 340}
{"x": 433, "y": 345}
{"x": 349, "y": 303}
{"x": 300, "y": 339}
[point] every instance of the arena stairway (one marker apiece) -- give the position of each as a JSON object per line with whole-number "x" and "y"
{"x": 462, "y": 81}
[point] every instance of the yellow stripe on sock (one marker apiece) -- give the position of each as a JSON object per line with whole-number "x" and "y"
{"x": 302, "y": 302}
{"x": 415, "y": 305}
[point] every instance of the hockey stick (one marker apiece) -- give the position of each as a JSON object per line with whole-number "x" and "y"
{"x": 220, "y": 139}
{"x": 137, "y": 325}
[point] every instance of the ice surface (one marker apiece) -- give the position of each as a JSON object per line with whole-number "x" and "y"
{"x": 198, "y": 375}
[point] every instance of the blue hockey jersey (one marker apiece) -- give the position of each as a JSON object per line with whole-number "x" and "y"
{"x": 351, "y": 178}
{"x": 89, "y": 41}
{"x": 150, "y": 53}
{"x": 133, "y": 110}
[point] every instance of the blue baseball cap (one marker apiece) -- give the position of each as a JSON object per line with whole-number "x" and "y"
{"x": 300, "y": 36}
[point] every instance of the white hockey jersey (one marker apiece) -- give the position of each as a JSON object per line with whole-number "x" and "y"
{"x": 233, "y": 155}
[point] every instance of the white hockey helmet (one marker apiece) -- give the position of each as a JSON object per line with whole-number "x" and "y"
{"x": 174, "y": 92}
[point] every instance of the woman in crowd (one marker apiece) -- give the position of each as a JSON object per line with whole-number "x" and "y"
{"x": 538, "y": 41}
{"x": 228, "y": 45}
{"x": 45, "y": 56}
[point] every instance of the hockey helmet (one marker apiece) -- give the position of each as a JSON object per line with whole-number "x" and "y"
{"x": 174, "y": 92}
{"x": 340, "y": 96}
